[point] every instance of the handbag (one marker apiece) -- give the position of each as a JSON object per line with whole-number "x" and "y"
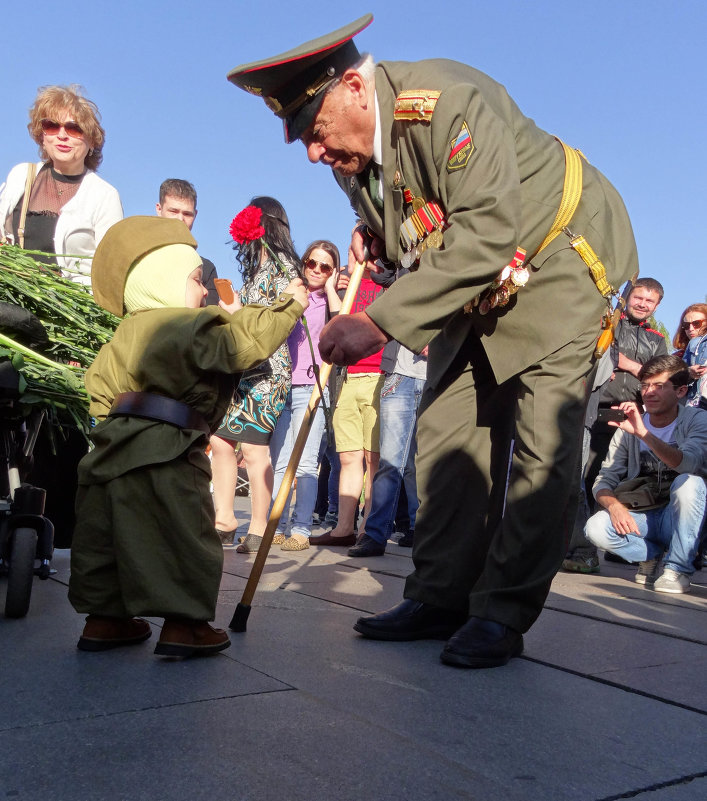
{"x": 31, "y": 175}
{"x": 643, "y": 493}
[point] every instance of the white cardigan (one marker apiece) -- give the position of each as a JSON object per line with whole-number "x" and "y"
{"x": 81, "y": 224}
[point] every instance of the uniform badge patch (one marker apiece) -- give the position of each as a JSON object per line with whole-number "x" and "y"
{"x": 462, "y": 146}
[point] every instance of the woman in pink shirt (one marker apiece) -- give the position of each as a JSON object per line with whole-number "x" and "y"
{"x": 321, "y": 272}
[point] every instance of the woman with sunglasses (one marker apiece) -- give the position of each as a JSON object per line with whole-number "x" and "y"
{"x": 321, "y": 273}
{"x": 70, "y": 207}
{"x": 691, "y": 343}
{"x": 68, "y": 210}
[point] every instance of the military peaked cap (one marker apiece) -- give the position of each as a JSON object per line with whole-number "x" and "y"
{"x": 123, "y": 244}
{"x": 293, "y": 83}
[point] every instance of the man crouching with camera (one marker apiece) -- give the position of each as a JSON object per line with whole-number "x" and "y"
{"x": 651, "y": 486}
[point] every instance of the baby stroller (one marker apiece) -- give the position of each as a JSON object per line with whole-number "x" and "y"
{"x": 26, "y": 536}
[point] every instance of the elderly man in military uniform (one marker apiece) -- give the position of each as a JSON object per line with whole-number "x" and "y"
{"x": 516, "y": 245}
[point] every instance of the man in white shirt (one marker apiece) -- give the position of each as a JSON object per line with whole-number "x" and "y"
{"x": 651, "y": 486}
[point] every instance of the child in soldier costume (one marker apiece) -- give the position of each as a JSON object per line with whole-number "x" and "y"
{"x": 145, "y": 540}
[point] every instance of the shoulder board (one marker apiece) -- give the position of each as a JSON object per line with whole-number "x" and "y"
{"x": 415, "y": 104}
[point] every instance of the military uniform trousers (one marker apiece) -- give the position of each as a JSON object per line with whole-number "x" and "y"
{"x": 146, "y": 544}
{"x": 470, "y": 553}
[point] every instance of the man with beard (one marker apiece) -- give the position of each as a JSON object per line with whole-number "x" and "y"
{"x": 634, "y": 344}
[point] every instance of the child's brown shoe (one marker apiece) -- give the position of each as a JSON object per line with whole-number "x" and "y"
{"x": 181, "y": 637}
{"x": 102, "y": 633}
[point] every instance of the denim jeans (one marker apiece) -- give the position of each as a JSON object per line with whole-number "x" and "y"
{"x": 281, "y": 446}
{"x": 674, "y": 527}
{"x": 400, "y": 397}
{"x": 328, "y": 496}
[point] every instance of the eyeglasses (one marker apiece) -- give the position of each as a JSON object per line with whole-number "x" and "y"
{"x": 52, "y": 128}
{"x": 657, "y": 386}
{"x": 310, "y": 264}
{"x": 688, "y": 324}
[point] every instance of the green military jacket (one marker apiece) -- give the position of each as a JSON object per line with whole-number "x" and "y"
{"x": 190, "y": 355}
{"x": 505, "y": 196}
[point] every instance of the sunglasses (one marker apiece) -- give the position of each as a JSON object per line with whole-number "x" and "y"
{"x": 312, "y": 263}
{"x": 693, "y": 324}
{"x": 52, "y": 128}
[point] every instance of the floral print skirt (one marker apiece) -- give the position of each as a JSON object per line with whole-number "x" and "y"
{"x": 254, "y": 411}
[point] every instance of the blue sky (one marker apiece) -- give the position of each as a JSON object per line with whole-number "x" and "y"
{"x": 624, "y": 81}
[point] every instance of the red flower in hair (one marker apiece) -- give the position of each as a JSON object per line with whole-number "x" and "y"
{"x": 246, "y": 226}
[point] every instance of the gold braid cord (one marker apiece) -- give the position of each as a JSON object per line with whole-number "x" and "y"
{"x": 590, "y": 258}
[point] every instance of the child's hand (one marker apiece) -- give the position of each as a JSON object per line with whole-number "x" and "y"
{"x": 231, "y": 307}
{"x": 297, "y": 288}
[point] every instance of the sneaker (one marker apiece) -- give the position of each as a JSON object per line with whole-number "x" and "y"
{"x": 673, "y": 582}
{"x": 581, "y": 564}
{"x": 330, "y": 520}
{"x": 648, "y": 571}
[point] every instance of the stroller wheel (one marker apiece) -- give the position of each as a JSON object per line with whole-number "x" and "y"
{"x": 20, "y": 572}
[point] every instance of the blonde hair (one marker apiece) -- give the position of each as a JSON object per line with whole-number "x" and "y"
{"x": 51, "y": 102}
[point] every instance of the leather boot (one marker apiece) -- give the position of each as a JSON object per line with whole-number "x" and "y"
{"x": 101, "y": 633}
{"x": 183, "y": 637}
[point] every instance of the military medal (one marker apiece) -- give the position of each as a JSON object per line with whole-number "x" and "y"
{"x": 435, "y": 239}
{"x": 408, "y": 259}
{"x": 520, "y": 277}
{"x": 503, "y": 295}
{"x": 422, "y": 229}
{"x": 511, "y": 278}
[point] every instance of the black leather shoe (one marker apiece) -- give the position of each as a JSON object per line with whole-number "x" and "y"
{"x": 411, "y": 620}
{"x": 367, "y": 546}
{"x": 482, "y": 643}
{"x": 406, "y": 540}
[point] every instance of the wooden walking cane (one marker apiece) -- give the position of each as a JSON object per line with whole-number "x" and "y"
{"x": 240, "y": 616}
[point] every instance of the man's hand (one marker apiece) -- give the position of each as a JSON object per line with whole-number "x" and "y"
{"x": 358, "y": 244}
{"x": 628, "y": 365}
{"x": 298, "y": 290}
{"x": 349, "y": 338}
{"x": 621, "y": 518}
{"x": 633, "y": 424}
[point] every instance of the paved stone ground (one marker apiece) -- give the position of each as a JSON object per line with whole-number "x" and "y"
{"x": 608, "y": 701}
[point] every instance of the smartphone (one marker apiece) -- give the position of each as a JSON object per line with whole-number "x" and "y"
{"x": 225, "y": 290}
{"x": 610, "y": 415}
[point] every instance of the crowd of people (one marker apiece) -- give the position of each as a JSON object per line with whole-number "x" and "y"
{"x": 440, "y": 420}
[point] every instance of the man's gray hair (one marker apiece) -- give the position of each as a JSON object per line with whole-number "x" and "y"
{"x": 366, "y": 66}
